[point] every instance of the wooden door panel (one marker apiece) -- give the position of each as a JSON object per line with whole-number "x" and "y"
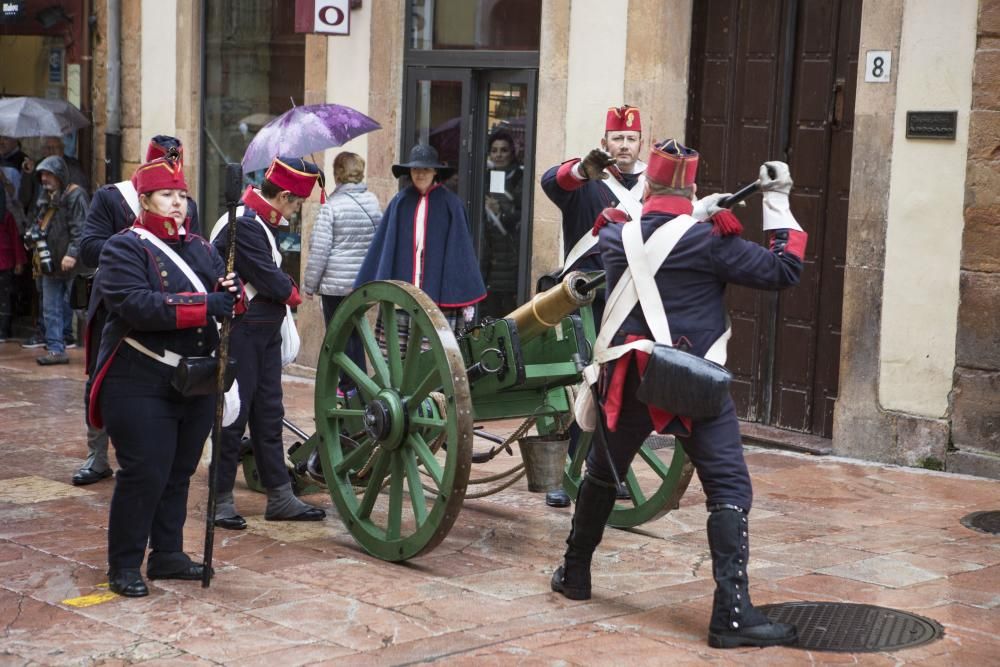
{"x": 785, "y": 349}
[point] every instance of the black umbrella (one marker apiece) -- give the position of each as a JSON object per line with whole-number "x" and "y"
{"x": 38, "y": 117}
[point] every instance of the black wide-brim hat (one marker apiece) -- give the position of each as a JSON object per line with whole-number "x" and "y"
{"x": 423, "y": 156}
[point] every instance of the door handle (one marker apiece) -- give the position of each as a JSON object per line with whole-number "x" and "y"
{"x": 838, "y": 104}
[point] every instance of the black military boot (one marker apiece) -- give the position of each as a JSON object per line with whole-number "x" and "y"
{"x": 594, "y": 503}
{"x": 735, "y": 622}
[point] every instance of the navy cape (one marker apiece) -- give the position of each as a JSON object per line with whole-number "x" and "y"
{"x": 451, "y": 274}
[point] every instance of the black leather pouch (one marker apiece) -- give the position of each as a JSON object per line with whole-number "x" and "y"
{"x": 684, "y": 384}
{"x": 197, "y": 376}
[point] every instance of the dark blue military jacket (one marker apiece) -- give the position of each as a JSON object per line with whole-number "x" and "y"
{"x": 580, "y": 208}
{"x": 255, "y": 265}
{"x": 109, "y": 213}
{"x": 693, "y": 280}
{"x": 148, "y": 298}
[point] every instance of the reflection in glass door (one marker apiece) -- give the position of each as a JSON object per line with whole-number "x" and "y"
{"x": 440, "y": 112}
{"x": 502, "y": 232}
{"x": 482, "y": 123}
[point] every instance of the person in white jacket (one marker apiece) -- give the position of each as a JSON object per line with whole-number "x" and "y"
{"x": 340, "y": 238}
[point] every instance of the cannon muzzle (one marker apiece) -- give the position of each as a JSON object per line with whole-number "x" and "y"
{"x": 547, "y": 309}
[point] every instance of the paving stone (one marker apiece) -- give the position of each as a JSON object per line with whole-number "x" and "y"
{"x": 823, "y": 528}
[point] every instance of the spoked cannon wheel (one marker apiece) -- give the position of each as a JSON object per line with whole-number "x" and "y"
{"x": 651, "y": 499}
{"x": 397, "y": 455}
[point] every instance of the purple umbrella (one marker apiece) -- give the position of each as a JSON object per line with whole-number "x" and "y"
{"x": 304, "y": 130}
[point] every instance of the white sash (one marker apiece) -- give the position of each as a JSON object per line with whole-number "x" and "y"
{"x": 231, "y": 399}
{"x": 173, "y": 256}
{"x": 628, "y": 291}
{"x": 629, "y": 200}
{"x": 290, "y": 341}
{"x": 130, "y": 196}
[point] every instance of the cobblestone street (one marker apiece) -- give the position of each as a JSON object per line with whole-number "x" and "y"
{"x": 823, "y": 529}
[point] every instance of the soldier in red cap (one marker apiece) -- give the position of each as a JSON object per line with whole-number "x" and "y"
{"x": 162, "y": 290}
{"x": 114, "y": 208}
{"x": 608, "y": 177}
{"x": 257, "y": 340}
{"x": 691, "y": 283}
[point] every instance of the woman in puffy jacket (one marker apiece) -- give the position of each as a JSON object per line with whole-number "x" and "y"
{"x": 340, "y": 238}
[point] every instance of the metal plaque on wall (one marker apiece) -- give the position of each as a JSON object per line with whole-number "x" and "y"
{"x": 931, "y": 124}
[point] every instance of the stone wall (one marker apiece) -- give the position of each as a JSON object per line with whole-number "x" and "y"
{"x": 861, "y": 427}
{"x": 975, "y": 400}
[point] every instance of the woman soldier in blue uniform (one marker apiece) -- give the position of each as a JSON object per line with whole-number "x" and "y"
{"x": 691, "y": 285}
{"x": 163, "y": 292}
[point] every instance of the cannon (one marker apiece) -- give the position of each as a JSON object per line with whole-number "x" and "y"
{"x": 396, "y": 455}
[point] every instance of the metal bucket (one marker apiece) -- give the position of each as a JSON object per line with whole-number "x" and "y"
{"x": 544, "y": 460}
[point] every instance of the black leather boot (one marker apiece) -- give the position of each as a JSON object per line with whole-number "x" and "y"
{"x": 735, "y": 622}
{"x": 127, "y": 582}
{"x": 594, "y": 503}
{"x": 173, "y": 565}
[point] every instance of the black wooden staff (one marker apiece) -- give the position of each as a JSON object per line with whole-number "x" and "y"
{"x": 234, "y": 183}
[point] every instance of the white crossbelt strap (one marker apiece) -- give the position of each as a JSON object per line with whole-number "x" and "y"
{"x": 169, "y": 358}
{"x": 633, "y": 288}
{"x": 249, "y": 289}
{"x": 220, "y": 224}
{"x": 130, "y": 196}
{"x": 629, "y": 201}
{"x": 173, "y": 256}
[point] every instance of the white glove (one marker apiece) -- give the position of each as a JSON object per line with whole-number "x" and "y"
{"x": 777, "y": 214}
{"x": 708, "y": 206}
{"x": 468, "y": 313}
{"x": 782, "y": 181}
{"x": 231, "y": 408}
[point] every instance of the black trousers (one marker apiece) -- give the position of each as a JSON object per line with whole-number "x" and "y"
{"x": 6, "y": 303}
{"x": 158, "y": 437}
{"x": 354, "y": 351}
{"x": 256, "y": 346}
{"x": 714, "y": 447}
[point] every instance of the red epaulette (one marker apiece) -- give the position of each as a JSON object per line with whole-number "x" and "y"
{"x": 724, "y": 223}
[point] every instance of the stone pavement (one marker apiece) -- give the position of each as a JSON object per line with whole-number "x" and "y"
{"x": 297, "y": 594}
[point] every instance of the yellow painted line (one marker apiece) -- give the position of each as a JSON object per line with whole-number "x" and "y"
{"x": 92, "y": 599}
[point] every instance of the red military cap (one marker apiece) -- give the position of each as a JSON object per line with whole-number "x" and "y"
{"x": 163, "y": 145}
{"x": 623, "y": 118}
{"x": 294, "y": 174}
{"x": 159, "y": 174}
{"x": 672, "y": 164}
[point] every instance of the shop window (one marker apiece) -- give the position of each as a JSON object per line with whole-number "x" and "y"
{"x": 254, "y": 71}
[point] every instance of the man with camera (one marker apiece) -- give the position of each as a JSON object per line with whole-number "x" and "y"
{"x": 53, "y": 238}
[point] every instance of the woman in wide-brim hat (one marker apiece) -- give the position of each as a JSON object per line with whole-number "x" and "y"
{"x": 423, "y": 156}
{"x": 424, "y": 239}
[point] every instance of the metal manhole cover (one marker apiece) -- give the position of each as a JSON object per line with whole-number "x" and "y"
{"x": 854, "y": 628}
{"x": 984, "y": 522}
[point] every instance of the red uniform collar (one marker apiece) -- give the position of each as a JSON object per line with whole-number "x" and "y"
{"x": 252, "y": 199}
{"x": 671, "y": 204}
{"x": 162, "y": 227}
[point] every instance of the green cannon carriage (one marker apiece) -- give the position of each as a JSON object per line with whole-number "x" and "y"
{"x": 397, "y": 455}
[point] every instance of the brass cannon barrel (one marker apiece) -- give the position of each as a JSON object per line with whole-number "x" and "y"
{"x": 547, "y": 309}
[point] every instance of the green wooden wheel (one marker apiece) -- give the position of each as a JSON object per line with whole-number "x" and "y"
{"x": 650, "y": 500}
{"x": 399, "y": 479}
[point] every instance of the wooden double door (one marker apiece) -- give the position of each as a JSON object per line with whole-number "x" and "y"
{"x": 775, "y": 79}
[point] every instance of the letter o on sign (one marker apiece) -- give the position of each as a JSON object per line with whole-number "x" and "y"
{"x": 332, "y": 17}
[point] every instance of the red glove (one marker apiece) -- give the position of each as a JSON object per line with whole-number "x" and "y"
{"x": 614, "y": 215}
{"x": 294, "y": 298}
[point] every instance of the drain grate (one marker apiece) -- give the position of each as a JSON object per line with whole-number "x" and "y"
{"x": 855, "y": 628}
{"x": 984, "y": 522}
